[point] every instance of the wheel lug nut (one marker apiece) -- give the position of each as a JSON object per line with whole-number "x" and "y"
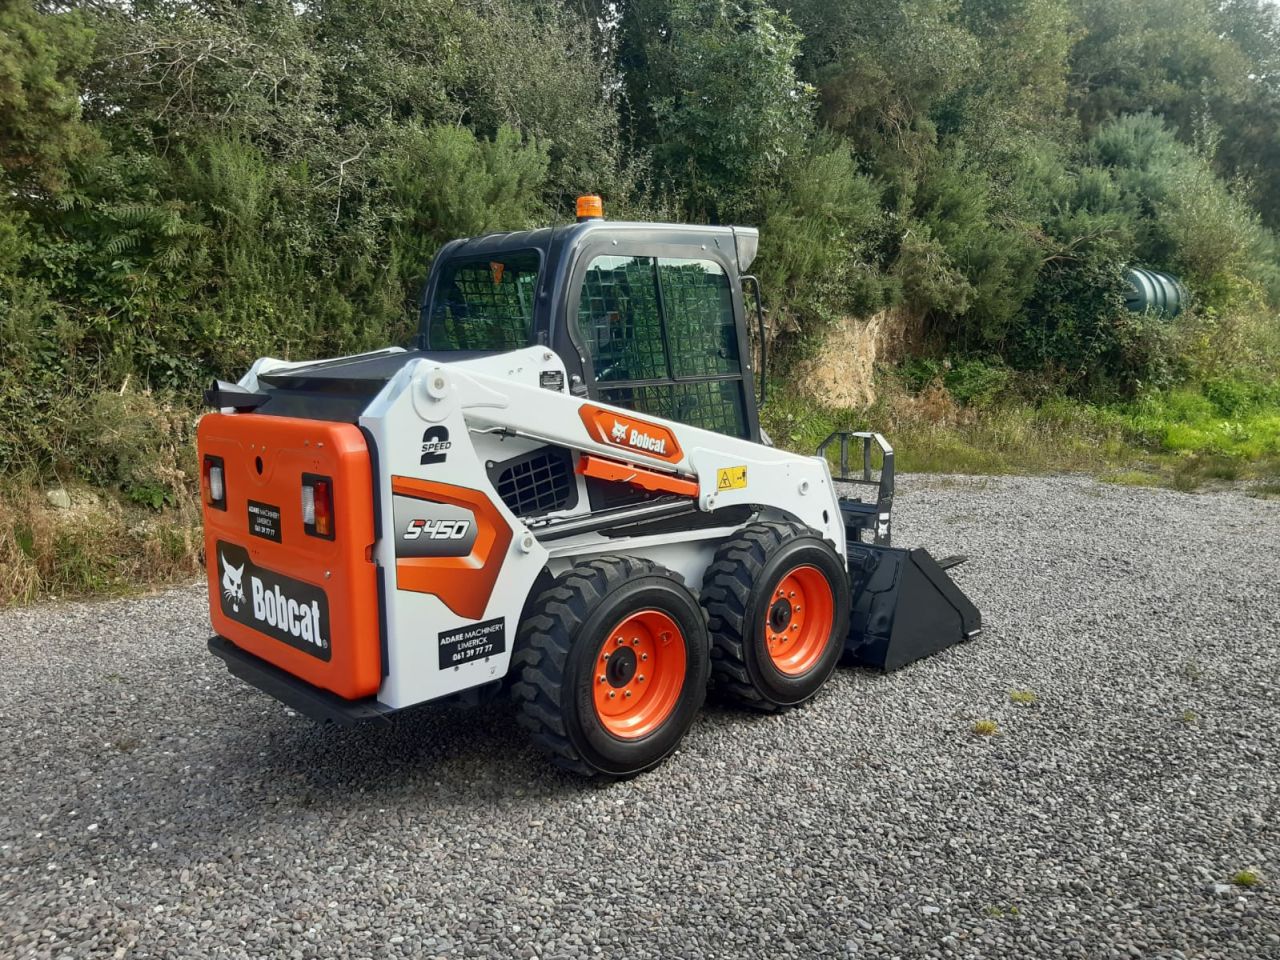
{"x": 635, "y": 641}
{"x": 612, "y": 694}
{"x": 640, "y": 678}
{"x": 644, "y": 656}
{"x": 627, "y": 694}
{"x": 602, "y": 678}
{"x": 795, "y": 626}
{"x": 619, "y": 641}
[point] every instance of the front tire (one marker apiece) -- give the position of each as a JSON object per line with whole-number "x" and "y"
{"x": 778, "y": 599}
{"x": 613, "y": 664}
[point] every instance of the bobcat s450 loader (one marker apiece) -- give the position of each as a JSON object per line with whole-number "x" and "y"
{"x": 562, "y": 492}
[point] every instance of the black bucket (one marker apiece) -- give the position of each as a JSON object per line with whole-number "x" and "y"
{"x": 904, "y": 606}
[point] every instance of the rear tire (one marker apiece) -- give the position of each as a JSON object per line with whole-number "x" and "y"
{"x": 597, "y": 706}
{"x": 778, "y": 599}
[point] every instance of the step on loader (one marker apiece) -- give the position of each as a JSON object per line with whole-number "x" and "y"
{"x": 560, "y": 493}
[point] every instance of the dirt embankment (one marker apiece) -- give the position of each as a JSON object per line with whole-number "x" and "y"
{"x": 842, "y": 372}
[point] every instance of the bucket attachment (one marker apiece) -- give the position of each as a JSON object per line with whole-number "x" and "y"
{"x": 904, "y": 605}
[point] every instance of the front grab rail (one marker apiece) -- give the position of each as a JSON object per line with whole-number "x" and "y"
{"x": 883, "y": 483}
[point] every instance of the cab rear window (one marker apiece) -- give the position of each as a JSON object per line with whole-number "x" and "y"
{"x": 485, "y": 304}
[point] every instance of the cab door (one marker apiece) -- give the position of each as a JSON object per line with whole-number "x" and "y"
{"x": 660, "y": 331}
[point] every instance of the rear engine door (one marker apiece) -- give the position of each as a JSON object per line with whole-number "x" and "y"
{"x": 289, "y": 531}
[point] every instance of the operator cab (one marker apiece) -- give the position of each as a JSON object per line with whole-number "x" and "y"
{"x": 649, "y": 317}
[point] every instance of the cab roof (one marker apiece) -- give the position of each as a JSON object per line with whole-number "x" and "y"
{"x": 745, "y": 239}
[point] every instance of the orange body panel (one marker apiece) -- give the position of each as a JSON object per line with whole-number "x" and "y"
{"x": 463, "y": 584}
{"x": 348, "y": 661}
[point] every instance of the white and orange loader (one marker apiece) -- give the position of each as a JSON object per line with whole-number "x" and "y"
{"x": 562, "y": 493}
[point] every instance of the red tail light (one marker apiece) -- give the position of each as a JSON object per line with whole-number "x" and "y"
{"x": 317, "y": 506}
{"x": 324, "y": 509}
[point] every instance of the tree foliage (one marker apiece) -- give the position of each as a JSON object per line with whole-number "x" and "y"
{"x": 716, "y": 96}
{"x": 189, "y": 184}
{"x": 40, "y": 59}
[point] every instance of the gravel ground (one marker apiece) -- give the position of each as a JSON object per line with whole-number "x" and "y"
{"x": 151, "y": 806}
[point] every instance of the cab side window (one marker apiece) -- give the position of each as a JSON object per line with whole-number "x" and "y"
{"x": 662, "y": 339}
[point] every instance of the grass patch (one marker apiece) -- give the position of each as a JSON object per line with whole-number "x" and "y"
{"x": 995, "y": 911}
{"x": 102, "y": 544}
{"x": 985, "y": 728}
{"x": 110, "y": 508}
{"x": 1246, "y": 878}
{"x": 1022, "y": 696}
{"x": 1182, "y": 439}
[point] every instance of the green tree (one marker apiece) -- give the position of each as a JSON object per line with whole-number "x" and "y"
{"x": 880, "y": 69}
{"x": 822, "y": 231}
{"x": 1169, "y": 57}
{"x": 967, "y": 266}
{"x": 41, "y": 56}
{"x": 1249, "y": 147}
{"x": 713, "y": 93}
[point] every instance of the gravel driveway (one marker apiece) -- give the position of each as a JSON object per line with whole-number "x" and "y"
{"x": 152, "y": 806}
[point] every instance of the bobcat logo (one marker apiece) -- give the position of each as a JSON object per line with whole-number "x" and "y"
{"x": 619, "y": 431}
{"x": 232, "y": 583}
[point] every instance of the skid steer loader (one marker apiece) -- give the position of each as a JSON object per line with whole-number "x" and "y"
{"x": 561, "y": 492}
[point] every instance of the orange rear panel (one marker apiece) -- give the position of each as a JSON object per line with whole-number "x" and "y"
{"x": 306, "y": 604}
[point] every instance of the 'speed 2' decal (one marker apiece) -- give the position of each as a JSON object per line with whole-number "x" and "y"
{"x": 625, "y": 432}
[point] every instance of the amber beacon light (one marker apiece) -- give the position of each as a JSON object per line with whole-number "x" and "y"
{"x": 590, "y": 207}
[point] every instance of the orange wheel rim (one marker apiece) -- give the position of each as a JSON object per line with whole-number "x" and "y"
{"x": 639, "y": 674}
{"x": 797, "y": 625}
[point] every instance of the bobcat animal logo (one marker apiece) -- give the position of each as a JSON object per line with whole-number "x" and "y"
{"x": 619, "y": 431}
{"x": 232, "y": 583}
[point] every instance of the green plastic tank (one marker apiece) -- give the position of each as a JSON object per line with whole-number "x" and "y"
{"x": 1154, "y": 290}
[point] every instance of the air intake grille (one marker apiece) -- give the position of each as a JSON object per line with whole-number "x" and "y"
{"x": 537, "y": 482}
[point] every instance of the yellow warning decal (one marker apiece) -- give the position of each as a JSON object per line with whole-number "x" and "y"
{"x": 731, "y": 478}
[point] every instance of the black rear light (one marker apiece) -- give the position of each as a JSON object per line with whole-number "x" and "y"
{"x": 215, "y": 482}
{"x": 317, "y": 506}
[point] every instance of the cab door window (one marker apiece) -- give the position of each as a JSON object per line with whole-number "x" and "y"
{"x": 662, "y": 339}
{"x": 699, "y": 315}
{"x": 619, "y": 320}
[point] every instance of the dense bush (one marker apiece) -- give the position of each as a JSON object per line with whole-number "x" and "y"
{"x": 822, "y": 231}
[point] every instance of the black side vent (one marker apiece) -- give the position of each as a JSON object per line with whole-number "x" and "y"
{"x": 537, "y": 482}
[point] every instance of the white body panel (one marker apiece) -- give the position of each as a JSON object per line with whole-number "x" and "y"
{"x": 494, "y": 408}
